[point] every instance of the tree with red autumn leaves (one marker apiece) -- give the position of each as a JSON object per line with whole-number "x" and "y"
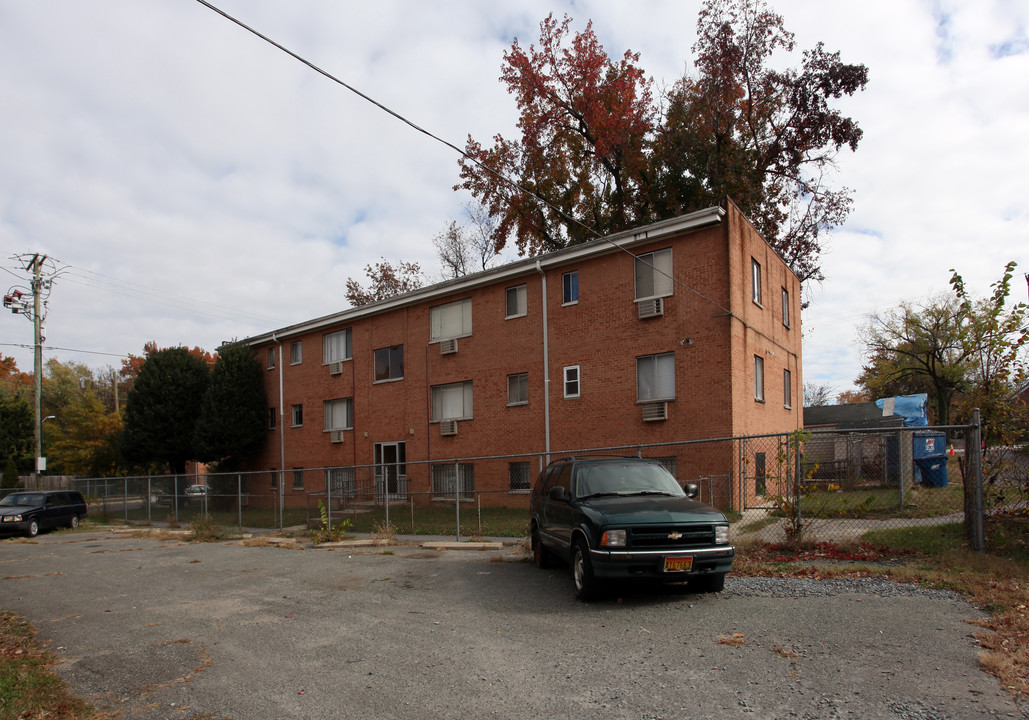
{"x": 605, "y": 155}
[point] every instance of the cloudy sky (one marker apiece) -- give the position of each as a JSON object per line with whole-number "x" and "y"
{"x": 192, "y": 184}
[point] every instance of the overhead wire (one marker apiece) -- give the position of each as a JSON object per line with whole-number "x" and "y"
{"x": 500, "y": 176}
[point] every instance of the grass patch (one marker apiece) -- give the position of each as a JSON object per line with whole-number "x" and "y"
{"x": 440, "y": 520}
{"x": 937, "y": 556}
{"x": 918, "y": 502}
{"x": 28, "y": 686}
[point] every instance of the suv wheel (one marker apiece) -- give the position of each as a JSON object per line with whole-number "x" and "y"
{"x": 74, "y": 522}
{"x": 33, "y": 528}
{"x": 541, "y": 557}
{"x": 582, "y": 572}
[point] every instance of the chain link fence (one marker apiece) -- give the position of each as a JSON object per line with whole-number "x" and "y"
{"x": 808, "y": 486}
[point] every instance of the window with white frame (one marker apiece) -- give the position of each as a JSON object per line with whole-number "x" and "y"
{"x": 518, "y": 389}
{"x": 655, "y": 377}
{"x": 654, "y": 274}
{"x": 759, "y": 378}
{"x": 570, "y": 288}
{"x": 447, "y": 476}
{"x": 517, "y": 304}
{"x": 336, "y": 346}
{"x": 271, "y": 358}
{"x": 298, "y": 415}
{"x": 755, "y": 281}
{"x": 518, "y": 475}
{"x": 452, "y": 401}
{"x": 339, "y": 414}
{"x": 787, "y": 389}
{"x": 572, "y": 384}
{"x": 452, "y": 320}
{"x": 296, "y": 352}
{"x": 786, "y": 308}
{"x": 389, "y": 363}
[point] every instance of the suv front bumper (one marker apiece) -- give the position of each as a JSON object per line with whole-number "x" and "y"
{"x": 627, "y": 564}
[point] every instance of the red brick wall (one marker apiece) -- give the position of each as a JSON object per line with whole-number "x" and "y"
{"x": 710, "y": 324}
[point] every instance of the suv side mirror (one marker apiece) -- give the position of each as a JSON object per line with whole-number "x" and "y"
{"x": 558, "y": 493}
{"x": 692, "y": 490}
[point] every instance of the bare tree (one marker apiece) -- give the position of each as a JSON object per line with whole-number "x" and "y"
{"x": 464, "y": 249}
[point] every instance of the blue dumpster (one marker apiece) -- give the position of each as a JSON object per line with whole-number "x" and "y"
{"x": 930, "y": 456}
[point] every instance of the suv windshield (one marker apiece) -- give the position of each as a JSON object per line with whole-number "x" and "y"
{"x": 22, "y": 499}
{"x": 629, "y": 478}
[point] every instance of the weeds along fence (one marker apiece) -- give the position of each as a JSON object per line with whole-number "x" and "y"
{"x": 832, "y": 486}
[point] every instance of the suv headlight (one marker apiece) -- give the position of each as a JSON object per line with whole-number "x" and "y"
{"x": 721, "y": 534}
{"x": 613, "y": 538}
{"x": 12, "y": 518}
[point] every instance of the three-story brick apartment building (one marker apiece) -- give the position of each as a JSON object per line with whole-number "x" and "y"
{"x": 685, "y": 329}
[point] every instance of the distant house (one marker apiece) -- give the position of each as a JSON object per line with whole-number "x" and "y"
{"x": 681, "y": 330}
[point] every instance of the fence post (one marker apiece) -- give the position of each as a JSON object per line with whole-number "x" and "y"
{"x": 239, "y": 500}
{"x": 149, "y": 497}
{"x": 793, "y": 446}
{"x": 328, "y": 499}
{"x": 125, "y": 499}
{"x": 457, "y": 497}
{"x": 974, "y": 457}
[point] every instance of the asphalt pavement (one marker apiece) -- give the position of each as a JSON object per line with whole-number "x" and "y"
{"x": 150, "y": 628}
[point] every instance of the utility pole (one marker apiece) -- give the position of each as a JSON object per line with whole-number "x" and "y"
{"x": 37, "y": 362}
{"x": 17, "y": 303}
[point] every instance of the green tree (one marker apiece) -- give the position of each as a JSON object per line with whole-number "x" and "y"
{"x": 83, "y": 438}
{"x": 11, "y": 479}
{"x": 162, "y": 408}
{"x": 917, "y": 346}
{"x": 604, "y": 154}
{"x": 234, "y": 414}
{"x": 993, "y": 335}
{"x": 16, "y": 433}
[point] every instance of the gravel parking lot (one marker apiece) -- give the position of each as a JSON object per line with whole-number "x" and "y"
{"x": 159, "y": 629}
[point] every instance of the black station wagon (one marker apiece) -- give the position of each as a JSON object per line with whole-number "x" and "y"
{"x": 627, "y": 519}
{"x": 34, "y": 510}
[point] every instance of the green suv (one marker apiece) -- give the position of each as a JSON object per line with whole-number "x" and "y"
{"x": 626, "y": 518}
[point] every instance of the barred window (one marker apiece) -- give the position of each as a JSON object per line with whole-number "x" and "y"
{"x": 444, "y": 484}
{"x": 340, "y": 481}
{"x": 518, "y": 473}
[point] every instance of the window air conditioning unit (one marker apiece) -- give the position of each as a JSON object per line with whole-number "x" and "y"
{"x": 655, "y": 307}
{"x": 655, "y": 411}
{"x": 336, "y": 436}
{"x": 336, "y": 368}
{"x": 448, "y": 427}
{"x": 448, "y": 346}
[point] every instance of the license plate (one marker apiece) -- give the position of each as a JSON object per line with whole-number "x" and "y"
{"x": 678, "y": 564}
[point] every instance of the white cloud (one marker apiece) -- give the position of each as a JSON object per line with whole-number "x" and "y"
{"x": 211, "y": 187}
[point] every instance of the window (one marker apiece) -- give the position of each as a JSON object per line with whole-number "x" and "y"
{"x": 516, "y": 302}
{"x": 271, "y": 358}
{"x": 339, "y": 414}
{"x": 446, "y": 476}
{"x": 271, "y": 418}
{"x": 518, "y": 389}
{"x": 755, "y": 280}
{"x": 759, "y": 378}
{"x": 275, "y": 478}
{"x": 336, "y": 346}
{"x": 298, "y": 415}
{"x": 572, "y": 381}
{"x": 340, "y": 481}
{"x": 451, "y": 320}
{"x": 296, "y": 353}
{"x": 570, "y": 288}
{"x": 655, "y": 377}
{"x": 389, "y": 363}
{"x": 654, "y": 274}
{"x": 518, "y": 475}
{"x": 669, "y": 464}
{"x": 787, "y": 389}
{"x": 452, "y": 402}
{"x": 298, "y": 479}
{"x": 760, "y": 470}
{"x": 786, "y": 308}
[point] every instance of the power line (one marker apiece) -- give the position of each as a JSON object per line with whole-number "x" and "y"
{"x": 495, "y": 173}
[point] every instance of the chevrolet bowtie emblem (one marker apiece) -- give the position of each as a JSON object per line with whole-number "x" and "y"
{"x": 674, "y": 535}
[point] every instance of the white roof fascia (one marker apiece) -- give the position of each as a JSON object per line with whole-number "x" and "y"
{"x": 601, "y": 246}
